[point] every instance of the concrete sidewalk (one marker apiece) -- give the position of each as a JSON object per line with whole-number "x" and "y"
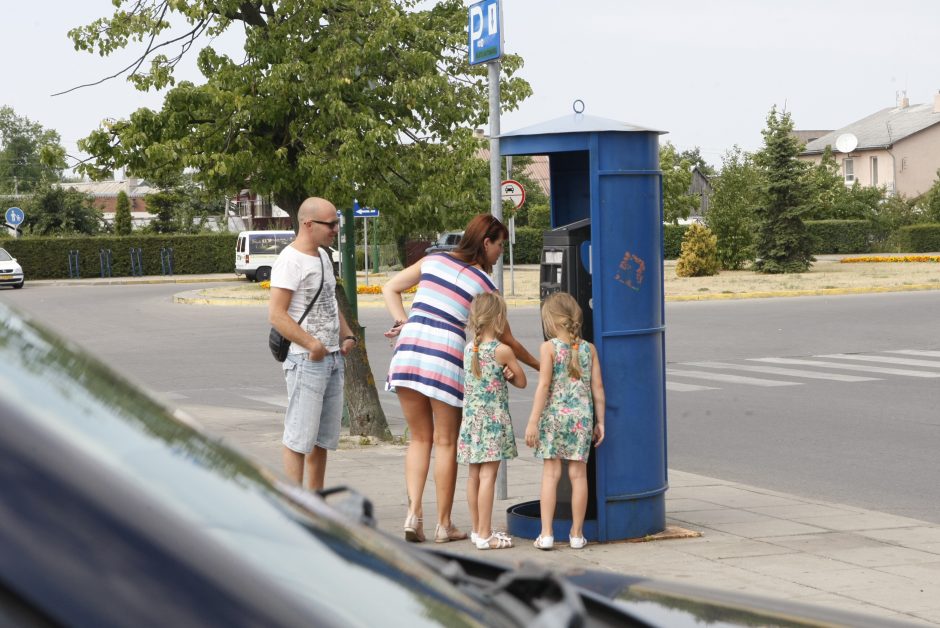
{"x": 753, "y": 540}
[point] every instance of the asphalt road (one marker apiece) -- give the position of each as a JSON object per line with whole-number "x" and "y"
{"x": 866, "y": 435}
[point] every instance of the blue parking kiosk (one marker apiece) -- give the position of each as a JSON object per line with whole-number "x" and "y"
{"x": 606, "y": 249}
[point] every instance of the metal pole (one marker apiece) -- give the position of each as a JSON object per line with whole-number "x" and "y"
{"x": 512, "y": 236}
{"x": 496, "y": 208}
{"x": 496, "y": 200}
{"x": 365, "y": 241}
{"x": 349, "y": 257}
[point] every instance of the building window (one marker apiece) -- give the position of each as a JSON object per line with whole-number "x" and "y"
{"x": 848, "y": 170}
{"x": 874, "y": 171}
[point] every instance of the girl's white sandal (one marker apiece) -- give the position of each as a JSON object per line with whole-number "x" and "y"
{"x": 544, "y": 542}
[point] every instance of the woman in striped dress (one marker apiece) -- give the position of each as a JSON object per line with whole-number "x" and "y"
{"x": 427, "y": 366}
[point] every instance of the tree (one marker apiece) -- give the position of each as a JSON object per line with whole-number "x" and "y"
{"x": 30, "y": 156}
{"x": 731, "y": 210}
{"x": 57, "y": 211}
{"x": 783, "y": 244}
{"x": 695, "y": 159}
{"x": 371, "y": 99}
{"x": 122, "y": 215}
{"x": 677, "y": 178}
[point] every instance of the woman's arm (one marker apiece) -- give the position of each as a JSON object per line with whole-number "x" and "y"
{"x": 520, "y": 352}
{"x": 393, "y": 289}
{"x": 546, "y": 353}
{"x": 597, "y": 391}
{"x": 507, "y": 359}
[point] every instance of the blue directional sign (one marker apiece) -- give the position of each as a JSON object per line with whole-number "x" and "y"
{"x": 15, "y": 216}
{"x": 486, "y": 31}
{"x": 365, "y": 212}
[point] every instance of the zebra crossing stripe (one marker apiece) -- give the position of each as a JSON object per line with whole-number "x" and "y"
{"x": 848, "y": 367}
{"x": 680, "y": 387}
{"x": 884, "y": 359}
{"x": 731, "y": 379}
{"x": 774, "y": 370}
{"x": 926, "y": 354}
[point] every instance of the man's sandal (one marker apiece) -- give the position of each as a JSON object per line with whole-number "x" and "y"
{"x": 502, "y": 542}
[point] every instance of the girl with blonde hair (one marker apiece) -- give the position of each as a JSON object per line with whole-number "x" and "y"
{"x": 486, "y": 435}
{"x": 567, "y": 413}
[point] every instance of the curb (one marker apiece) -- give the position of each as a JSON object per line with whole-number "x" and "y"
{"x": 725, "y": 296}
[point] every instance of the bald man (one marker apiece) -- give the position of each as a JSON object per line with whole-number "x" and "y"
{"x": 314, "y": 368}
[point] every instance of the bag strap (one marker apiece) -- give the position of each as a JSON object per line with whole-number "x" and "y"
{"x": 319, "y": 290}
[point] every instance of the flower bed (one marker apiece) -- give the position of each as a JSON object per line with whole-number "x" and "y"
{"x": 359, "y": 289}
{"x": 891, "y": 259}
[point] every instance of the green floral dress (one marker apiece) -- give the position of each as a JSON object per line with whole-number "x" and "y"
{"x": 486, "y": 431}
{"x": 566, "y": 427}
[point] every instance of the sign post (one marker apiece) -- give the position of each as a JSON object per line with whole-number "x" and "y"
{"x": 365, "y": 213}
{"x": 486, "y": 46}
{"x": 514, "y": 192}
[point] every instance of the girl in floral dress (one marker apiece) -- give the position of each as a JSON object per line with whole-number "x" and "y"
{"x": 567, "y": 413}
{"x": 486, "y": 435}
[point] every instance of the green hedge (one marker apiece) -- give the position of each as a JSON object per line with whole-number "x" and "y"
{"x": 919, "y": 238}
{"x": 672, "y": 240}
{"x": 48, "y": 258}
{"x": 840, "y": 236}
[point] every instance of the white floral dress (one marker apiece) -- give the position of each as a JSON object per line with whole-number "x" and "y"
{"x": 486, "y": 431}
{"x": 566, "y": 427}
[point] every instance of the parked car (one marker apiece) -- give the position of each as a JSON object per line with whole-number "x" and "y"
{"x": 447, "y": 242}
{"x": 116, "y": 512}
{"x": 256, "y": 251}
{"x": 11, "y": 273}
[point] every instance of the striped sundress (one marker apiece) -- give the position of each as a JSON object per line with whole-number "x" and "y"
{"x": 428, "y": 355}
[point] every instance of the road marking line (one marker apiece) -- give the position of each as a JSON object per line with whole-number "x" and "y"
{"x": 848, "y": 367}
{"x": 731, "y": 379}
{"x": 280, "y": 400}
{"x": 679, "y": 387}
{"x": 926, "y": 354}
{"x": 773, "y": 370}
{"x": 882, "y": 358}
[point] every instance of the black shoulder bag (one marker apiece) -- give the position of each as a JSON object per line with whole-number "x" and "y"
{"x": 279, "y": 345}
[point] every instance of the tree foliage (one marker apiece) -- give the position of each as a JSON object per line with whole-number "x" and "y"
{"x": 699, "y": 257}
{"x": 371, "y": 99}
{"x": 122, "y": 215}
{"x": 782, "y": 245}
{"x": 678, "y": 203}
{"x": 58, "y": 211}
{"x": 731, "y": 209}
{"x": 30, "y": 156}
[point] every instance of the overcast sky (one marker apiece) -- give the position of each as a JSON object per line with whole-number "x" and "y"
{"x": 706, "y": 72}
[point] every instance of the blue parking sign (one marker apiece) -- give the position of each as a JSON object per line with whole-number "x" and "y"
{"x": 486, "y": 31}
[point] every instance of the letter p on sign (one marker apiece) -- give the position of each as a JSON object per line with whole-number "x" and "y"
{"x": 485, "y": 31}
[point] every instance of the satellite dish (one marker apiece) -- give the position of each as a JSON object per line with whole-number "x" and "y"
{"x": 846, "y": 143}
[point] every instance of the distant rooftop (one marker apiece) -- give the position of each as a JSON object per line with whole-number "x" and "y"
{"x": 881, "y": 129}
{"x": 103, "y": 189}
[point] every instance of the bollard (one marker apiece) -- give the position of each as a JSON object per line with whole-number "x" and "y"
{"x": 137, "y": 266}
{"x": 104, "y": 258}
{"x": 74, "y": 272}
{"x": 166, "y": 260}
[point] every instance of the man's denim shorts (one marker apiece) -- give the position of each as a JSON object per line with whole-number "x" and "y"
{"x": 314, "y": 401}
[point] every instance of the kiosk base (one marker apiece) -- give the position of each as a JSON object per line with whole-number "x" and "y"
{"x": 524, "y": 520}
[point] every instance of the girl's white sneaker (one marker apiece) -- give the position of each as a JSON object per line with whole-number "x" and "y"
{"x": 577, "y": 542}
{"x": 544, "y": 542}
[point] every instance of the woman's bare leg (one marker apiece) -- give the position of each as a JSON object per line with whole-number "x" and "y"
{"x": 446, "y": 428}
{"x": 417, "y": 410}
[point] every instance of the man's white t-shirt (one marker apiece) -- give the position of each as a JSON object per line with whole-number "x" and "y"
{"x": 300, "y": 273}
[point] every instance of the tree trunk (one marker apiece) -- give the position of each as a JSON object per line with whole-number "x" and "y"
{"x": 366, "y": 417}
{"x": 290, "y": 203}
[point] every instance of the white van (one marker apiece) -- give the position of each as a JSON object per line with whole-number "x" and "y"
{"x": 256, "y": 251}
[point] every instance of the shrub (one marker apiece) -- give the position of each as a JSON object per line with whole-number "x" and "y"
{"x": 48, "y": 258}
{"x": 528, "y": 246}
{"x": 672, "y": 240}
{"x": 920, "y": 238}
{"x": 840, "y": 236}
{"x": 699, "y": 256}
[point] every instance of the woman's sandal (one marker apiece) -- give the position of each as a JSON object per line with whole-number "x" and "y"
{"x": 502, "y": 542}
{"x": 414, "y": 528}
{"x": 448, "y": 534}
{"x": 544, "y": 542}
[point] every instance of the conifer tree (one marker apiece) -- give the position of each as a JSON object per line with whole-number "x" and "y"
{"x": 122, "y": 215}
{"x": 783, "y": 244}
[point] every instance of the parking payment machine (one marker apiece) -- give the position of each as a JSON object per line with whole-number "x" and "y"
{"x": 605, "y": 248}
